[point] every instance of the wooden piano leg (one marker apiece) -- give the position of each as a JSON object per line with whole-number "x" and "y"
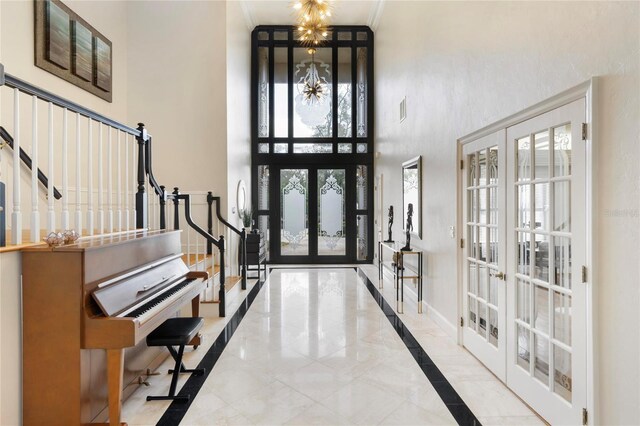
{"x": 115, "y": 364}
{"x": 195, "y": 312}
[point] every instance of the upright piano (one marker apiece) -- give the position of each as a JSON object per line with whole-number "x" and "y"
{"x": 83, "y": 305}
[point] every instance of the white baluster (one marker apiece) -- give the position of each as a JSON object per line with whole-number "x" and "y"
{"x": 51, "y": 219}
{"x": 90, "y": 212}
{"x": 189, "y": 264}
{"x": 16, "y": 214}
{"x": 110, "y": 182}
{"x": 100, "y": 184}
{"x": 35, "y": 214}
{"x": 119, "y": 193}
{"x": 65, "y": 171}
{"x": 127, "y": 217}
{"x": 78, "y": 178}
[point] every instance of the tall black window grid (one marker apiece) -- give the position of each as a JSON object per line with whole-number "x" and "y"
{"x": 359, "y": 152}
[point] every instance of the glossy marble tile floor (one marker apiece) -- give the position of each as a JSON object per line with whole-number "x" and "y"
{"x": 323, "y": 346}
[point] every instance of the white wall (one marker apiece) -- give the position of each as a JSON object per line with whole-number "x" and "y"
{"x": 177, "y": 76}
{"x": 465, "y": 65}
{"x": 238, "y": 115}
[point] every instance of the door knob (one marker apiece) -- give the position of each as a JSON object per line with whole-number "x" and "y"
{"x": 500, "y": 276}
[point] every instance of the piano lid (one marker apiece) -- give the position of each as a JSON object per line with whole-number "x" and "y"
{"x": 116, "y": 296}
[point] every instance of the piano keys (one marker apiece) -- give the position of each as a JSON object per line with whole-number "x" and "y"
{"x": 101, "y": 294}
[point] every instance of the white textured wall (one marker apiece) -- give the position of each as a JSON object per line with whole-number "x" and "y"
{"x": 238, "y": 114}
{"x": 465, "y": 65}
{"x": 177, "y": 79}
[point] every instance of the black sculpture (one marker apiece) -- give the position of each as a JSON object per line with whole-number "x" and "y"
{"x": 409, "y": 228}
{"x": 390, "y": 240}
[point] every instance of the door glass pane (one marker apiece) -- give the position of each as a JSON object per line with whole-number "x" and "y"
{"x": 523, "y": 298}
{"x": 542, "y": 154}
{"x": 361, "y": 187}
{"x": 362, "y": 243}
{"x": 562, "y": 150}
{"x": 524, "y": 206}
{"x": 493, "y": 165}
{"x": 471, "y": 181}
{"x": 281, "y": 94}
{"x": 263, "y": 226}
{"x": 562, "y": 317}
{"x": 493, "y": 287}
{"x": 482, "y": 206}
{"x": 562, "y": 261}
{"x": 345, "y": 96}
{"x": 562, "y": 373}
{"x": 294, "y": 196}
{"x": 473, "y": 278}
{"x": 263, "y": 91}
{"x": 493, "y": 327}
{"x": 541, "y": 308}
{"x": 482, "y": 240}
{"x": 472, "y": 313}
{"x": 493, "y": 206}
{"x": 541, "y": 366}
{"x": 524, "y": 260}
{"x": 263, "y": 148}
{"x": 562, "y": 206}
{"x": 263, "y": 187}
{"x": 482, "y": 281}
{"x": 493, "y": 246}
{"x": 362, "y": 91}
{"x": 473, "y": 240}
{"x": 331, "y": 214}
{"x": 312, "y": 96}
{"x": 541, "y": 249}
{"x": 482, "y": 167}
{"x": 523, "y": 347}
{"x": 524, "y": 158}
{"x": 482, "y": 319}
{"x": 541, "y": 194}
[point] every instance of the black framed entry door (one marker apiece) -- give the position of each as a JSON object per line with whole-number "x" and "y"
{"x": 315, "y": 214}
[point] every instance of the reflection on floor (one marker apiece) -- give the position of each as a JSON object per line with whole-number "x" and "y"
{"x": 315, "y": 348}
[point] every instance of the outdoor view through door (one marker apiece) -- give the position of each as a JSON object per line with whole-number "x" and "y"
{"x": 312, "y": 151}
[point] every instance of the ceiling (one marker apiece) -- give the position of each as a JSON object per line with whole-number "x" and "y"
{"x": 280, "y": 12}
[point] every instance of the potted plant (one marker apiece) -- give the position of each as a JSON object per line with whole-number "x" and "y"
{"x": 246, "y": 216}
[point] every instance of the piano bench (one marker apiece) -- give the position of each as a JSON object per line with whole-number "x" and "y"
{"x": 176, "y": 332}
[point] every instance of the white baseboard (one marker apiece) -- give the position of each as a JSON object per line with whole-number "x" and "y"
{"x": 442, "y": 322}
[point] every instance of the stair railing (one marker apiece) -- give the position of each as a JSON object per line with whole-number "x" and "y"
{"x": 176, "y": 197}
{"x": 241, "y": 233}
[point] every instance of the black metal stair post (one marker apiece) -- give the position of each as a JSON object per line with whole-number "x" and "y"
{"x": 142, "y": 215}
{"x": 210, "y": 221}
{"x": 163, "y": 202}
{"x": 176, "y": 208}
{"x": 243, "y": 248}
{"x": 222, "y": 294}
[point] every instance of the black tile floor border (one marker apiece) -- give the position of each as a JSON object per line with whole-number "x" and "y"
{"x": 456, "y": 406}
{"x": 177, "y": 410}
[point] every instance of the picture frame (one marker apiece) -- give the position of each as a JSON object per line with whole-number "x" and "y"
{"x": 412, "y": 193}
{"x": 69, "y": 47}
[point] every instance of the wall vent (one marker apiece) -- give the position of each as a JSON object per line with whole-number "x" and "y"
{"x": 403, "y": 109}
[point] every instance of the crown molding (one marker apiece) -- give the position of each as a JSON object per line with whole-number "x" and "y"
{"x": 248, "y": 17}
{"x": 375, "y": 13}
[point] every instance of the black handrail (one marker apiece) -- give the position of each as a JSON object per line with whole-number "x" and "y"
{"x": 219, "y": 243}
{"x": 30, "y": 89}
{"x": 242, "y": 234}
{"x": 44, "y": 180}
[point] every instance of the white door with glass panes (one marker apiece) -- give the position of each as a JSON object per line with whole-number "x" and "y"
{"x": 524, "y": 302}
{"x": 484, "y": 287}
{"x": 546, "y": 251}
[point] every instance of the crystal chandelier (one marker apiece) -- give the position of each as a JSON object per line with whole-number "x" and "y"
{"x": 314, "y": 88}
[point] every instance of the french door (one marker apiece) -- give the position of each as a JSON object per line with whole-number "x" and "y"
{"x": 321, "y": 214}
{"x": 525, "y": 302}
{"x": 485, "y": 291}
